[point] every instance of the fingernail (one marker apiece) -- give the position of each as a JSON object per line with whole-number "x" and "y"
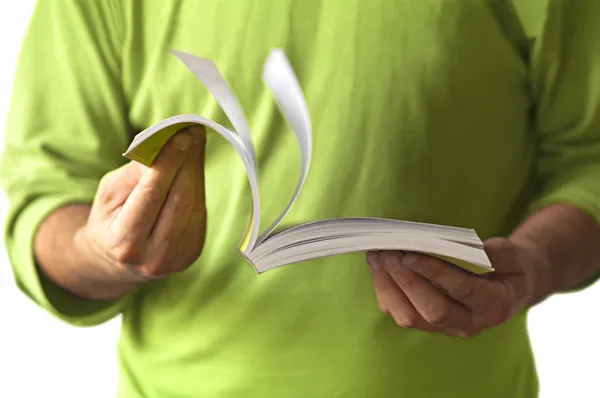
{"x": 392, "y": 261}
{"x": 198, "y": 134}
{"x": 409, "y": 261}
{"x": 182, "y": 142}
{"x": 373, "y": 260}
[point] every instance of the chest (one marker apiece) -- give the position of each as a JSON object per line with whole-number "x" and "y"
{"x": 419, "y": 92}
{"x": 394, "y": 61}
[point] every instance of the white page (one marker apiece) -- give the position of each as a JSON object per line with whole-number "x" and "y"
{"x": 359, "y": 243}
{"x": 206, "y": 71}
{"x": 282, "y": 81}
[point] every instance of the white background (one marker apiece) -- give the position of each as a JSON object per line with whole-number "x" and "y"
{"x": 39, "y": 356}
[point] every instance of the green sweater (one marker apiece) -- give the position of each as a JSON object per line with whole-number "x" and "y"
{"x": 425, "y": 110}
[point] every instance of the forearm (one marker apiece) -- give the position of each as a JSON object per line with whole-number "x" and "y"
{"x": 566, "y": 240}
{"x": 67, "y": 263}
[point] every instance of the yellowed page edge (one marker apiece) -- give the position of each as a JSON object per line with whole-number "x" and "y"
{"x": 465, "y": 265}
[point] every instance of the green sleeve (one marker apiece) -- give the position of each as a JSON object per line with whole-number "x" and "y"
{"x": 66, "y": 127}
{"x": 565, "y": 79}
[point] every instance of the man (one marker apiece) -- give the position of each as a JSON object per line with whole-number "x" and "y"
{"x": 433, "y": 111}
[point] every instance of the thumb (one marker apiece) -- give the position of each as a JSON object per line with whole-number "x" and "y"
{"x": 502, "y": 253}
{"x": 511, "y": 263}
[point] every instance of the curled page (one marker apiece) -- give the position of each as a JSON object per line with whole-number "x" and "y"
{"x": 283, "y": 83}
{"x": 281, "y": 80}
{"x": 206, "y": 71}
{"x": 208, "y": 74}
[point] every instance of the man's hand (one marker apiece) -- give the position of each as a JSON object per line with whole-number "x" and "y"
{"x": 424, "y": 293}
{"x": 145, "y": 223}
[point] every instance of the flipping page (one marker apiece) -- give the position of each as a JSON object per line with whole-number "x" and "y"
{"x": 267, "y": 250}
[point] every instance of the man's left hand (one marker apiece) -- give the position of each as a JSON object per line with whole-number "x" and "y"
{"x": 421, "y": 292}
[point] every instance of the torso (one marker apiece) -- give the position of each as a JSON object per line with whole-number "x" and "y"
{"x": 420, "y": 111}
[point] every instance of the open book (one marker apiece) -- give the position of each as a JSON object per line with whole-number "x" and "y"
{"x": 269, "y": 249}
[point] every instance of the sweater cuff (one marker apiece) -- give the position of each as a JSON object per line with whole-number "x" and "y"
{"x": 48, "y": 295}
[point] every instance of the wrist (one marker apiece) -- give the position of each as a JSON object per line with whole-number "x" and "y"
{"x": 98, "y": 278}
{"x": 65, "y": 257}
{"x": 87, "y": 262}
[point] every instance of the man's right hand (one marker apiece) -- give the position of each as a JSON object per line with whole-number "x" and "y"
{"x": 145, "y": 223}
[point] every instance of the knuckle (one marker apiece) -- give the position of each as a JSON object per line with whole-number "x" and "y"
{"x": 436, "y": 314}
{"x": 181, "y": 202}
{"x": 126, "y": 253}
{"x": 431, "y": 267}
{"x": 404, "y": 280}
{"x": 151, "y": 194}
{"x": 433, "y": 272}
{"x": 104, "y": 192}
{"x": 151, "y": 272}
{"x": 463, "y": 290}
{"x": 155, "y": 268}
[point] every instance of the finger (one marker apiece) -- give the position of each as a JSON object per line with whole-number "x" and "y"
{"x": 436, "y": 308}
{"x": 378, "y": 281}
{"x": 139, "y": 212}
{"x": 507, "y": 256}
{"x": 167, "y": 243}
{"x": 178, "y": 235}
{"x": 196, "y": 230}
{"x": 116, "y": 186}
{"x": 176, "y": 212}
{"x": 469, "y": 290}
{"x": 392, "y": 300}
{"x": 510, "y": 280}
{"x": 198, "y": 222}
